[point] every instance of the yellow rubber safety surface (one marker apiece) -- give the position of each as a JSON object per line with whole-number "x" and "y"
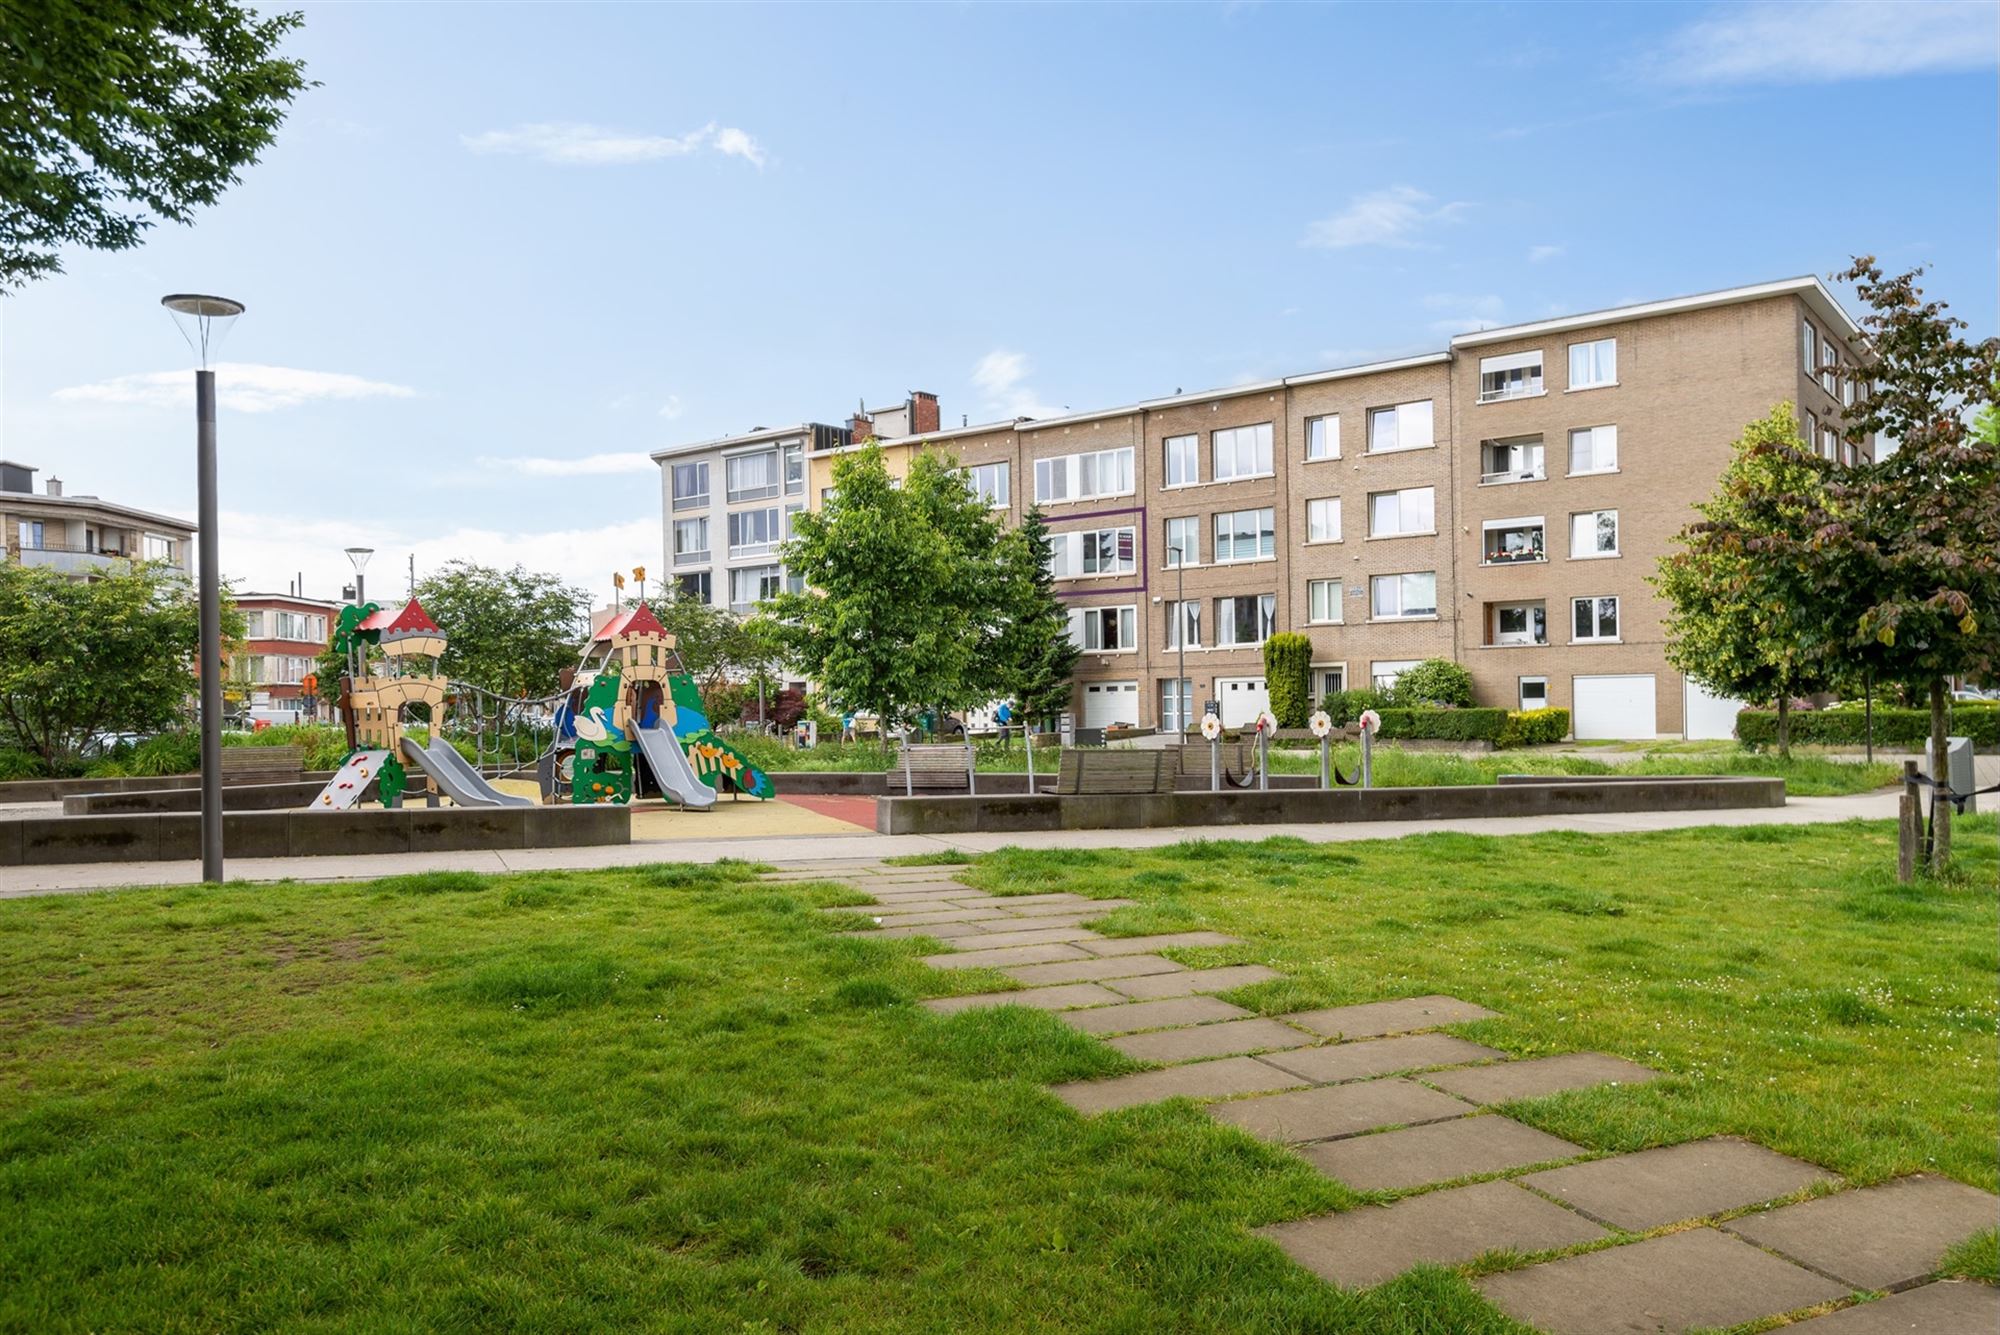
{"x": 745, "y": 819}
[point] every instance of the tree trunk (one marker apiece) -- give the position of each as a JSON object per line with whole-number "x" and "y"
{"x": 1940, "y": 774}
{"x": 1785, "y": 725}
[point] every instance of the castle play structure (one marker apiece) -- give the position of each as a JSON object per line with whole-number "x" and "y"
{"x": 630, "y": 714}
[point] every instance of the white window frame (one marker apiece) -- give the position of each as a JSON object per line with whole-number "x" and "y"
{"x": 1267, "y": 619}
{"x": 1596, "y": 602}
{"x": 1125, "y": 537}
{"x": 1521, "y": 692}
{"x": 1382, "y": 673}
{"x": 693, "y": 499}
{"x": 1087, "y": 623}
{"x": 1183, "y": 614}
{"x": 1512, "y": 444}
{"x": 1181, "y": 458}
{"x": 692, "y": 555}
{"x": 770, "y": 461}
{"x": 1595, "y": 553}
{"x": 1402, "y": 415}
{"x": 1267, "y": 528}
{"x": 1190, "y": 552}
{"x": 793, "y": 469}
{"x": 1526, "y": 636}
{"x": 760, "y": 575}
{"x": 1176, "y": 714}
{"x": 1402, "y": 507}
{"x": 1809, "y": 346}
{"x": 1514, "y": 375}
{"x": 1326, "y": 427}
{"x": 1598, "y": 440}
{"x": 770, "y": 519}
{"x": 1234, "y": 439}
{"x": 1320, "y": 673}
{"x": 1377, "y": 583}
{"x": 1323, "y": 519}
{"x": 1071, "y": 469}
{"x": 992, "y": 483}
{"x": 1331, "y": 592}
{"x": 1600, "y": 362}
{"x": 1530, "y": 522}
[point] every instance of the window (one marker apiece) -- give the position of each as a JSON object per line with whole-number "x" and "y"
{"x": 795, "y": 469}
{"x": 1413, "y": 595}
{"x": 1323, "y": 601}
{"x": 794, "y": 583}
{"x": 1184, "y": 620}
{"x": 1107, "y": 551}
{"x": 792, "y": 512}
{"x": 253, "y": 625}
{"x": 698, "y": 585}
{"x": 1810, "y": 337}
{"x": 1407, "y": 426}
{"x": 1847, "y": 391}
{"x": 690, "y": 540}
{"x": 752, "y": 585}
{"x": 1593, "y": 449}
{"x": 1052, "y": 479}
{"x": 34, "y": 536}
{"x": 1534, "y": 693}
{"x": 1183, "y": 460}
{"x": 1511, "y": 541}
{"x": 1083, "y": 476}
{"x": 1176, "y": 705}
{"x": 1245, "y": 535}
{"x": 1812, "y": 428}
{"x": 1245, "y": 620}
{"x": 752, "y": 477}
{"x": 989, "y": 482}
{"x": 1829, "y": 362}
{"x": 1107, "y": 629}
{"x": 1329, "y": 680}
{"x": 753, "y": 532}
{"x": 1242, "y": 451}
{"x": 298, "y": 626}
{"x": 1323, "y": 437}
{"x": 690, "y": 486}
{"x": 1514, "y": 459}
{"x": 1382, "y": 675}
{"x": 1393, "y": 514}
{"x": 1520, "y": 623}
{"x": 1515, "y": 376}
{"x": 1829, "y": 444}
{"x": 1593, "y": 533}
{"x": 1323, "y": 520}
{"x": 158, "y": 548}
{"x": 1184, "y": 541}
{"x": 1594, "y": 619}
{"x": 1593, "y": 364}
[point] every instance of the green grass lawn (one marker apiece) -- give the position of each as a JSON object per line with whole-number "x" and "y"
{"x": 677, "y": 1099}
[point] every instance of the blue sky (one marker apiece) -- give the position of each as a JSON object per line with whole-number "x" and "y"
{"x": 502, "y": 252}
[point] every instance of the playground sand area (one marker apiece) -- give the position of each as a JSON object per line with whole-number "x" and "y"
{"x": 738, "y": 819}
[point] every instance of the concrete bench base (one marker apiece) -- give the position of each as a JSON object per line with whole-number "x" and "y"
{"x": 235, "y": 797}
{"x": 1295, "y": 806}
{"x": 297, "y": 834}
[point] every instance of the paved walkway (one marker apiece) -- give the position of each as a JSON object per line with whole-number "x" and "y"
{"x": 787, "y": 849}
{"x": 1714, "y": 1232}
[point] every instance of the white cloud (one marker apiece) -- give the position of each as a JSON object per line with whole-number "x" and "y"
{"x": 672, "y": 407}
{"x": 1540, "y": 254}
{"x": 1390, "y": 217}
{"x": 1001, "y": 376}
{"x": 1480, "y": 311}
{"x": 574, "y": 144}
{"x": 1828, "y": 40}
{"x": 589, "y": 465}
{"x": 243, "y": 387}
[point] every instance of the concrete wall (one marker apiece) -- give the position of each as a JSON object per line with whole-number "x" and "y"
{"x": 277, "y": 834}
{"x": 1289, "y": 806}
{"x": 235, "y": 797}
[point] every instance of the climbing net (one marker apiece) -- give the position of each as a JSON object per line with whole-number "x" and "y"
{"x": 507, "y": 731}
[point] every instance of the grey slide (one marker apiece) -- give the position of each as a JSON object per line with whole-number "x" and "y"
{"x": 671, "y": 769}
{"x": 456, "y": 778}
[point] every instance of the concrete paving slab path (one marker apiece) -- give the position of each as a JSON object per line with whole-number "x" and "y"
{"x": 1134, "y": 1016}
{"x": 1189, "y": 981}
{"x": 1141, "y": 945}
{"x": 1376, "y": 1018}
{"x": 1339, "y": 1110}
{"x": 1420, "y": 1155}
{"x": 1224, "y": 1078}
{"x": 1504, "y": 1082}
{"x": 1364, "y": 1246}
{"x": 1066, "y": 997}
{"x": 1671, "y": 1283}
{"x": 1948, "y": 1307}
{"x": 1382, "y": 1056}
{"x": 1664, "y": 1186}
{"x": 993, "y": 959}
{"x": 1073, "y": 971}
{"x": 991, "y": 939}
{"x": 1882, "y": 1237}
{"x": 1199, "y": 1042}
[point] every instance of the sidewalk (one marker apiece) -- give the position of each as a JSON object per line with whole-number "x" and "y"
{"x": 19, "y": 882}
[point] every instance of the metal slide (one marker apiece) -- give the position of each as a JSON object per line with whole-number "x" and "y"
{"x": 456, "y": 778}
{"x": 345, "y": 788}
{"x": 671, "y": 769}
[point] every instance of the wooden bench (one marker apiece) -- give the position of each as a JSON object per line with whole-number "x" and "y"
{"x": 934, "y": 767}
{"x": 1237, "y": 758}
{"x": 1086, "y": 772}
{"x": 262, "y": 764}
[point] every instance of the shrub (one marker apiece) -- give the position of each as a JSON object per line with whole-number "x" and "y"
{"x": 1532, "y": 727}
{"x": 18, "y": 764}
{"x": 1288, "y": 676}
{"x": 1434, "y": 682}
{"x": 1849, "y": 727}
{"x": 1343, "y": 707}
{"x": 1444, "y": 725}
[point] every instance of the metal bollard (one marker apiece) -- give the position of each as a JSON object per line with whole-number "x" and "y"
{"x": 1215, "y": 764}
{"x": 1367, "y": 757}
{"x": 1263, "y": 760}
{"x": 1325, "y": 762}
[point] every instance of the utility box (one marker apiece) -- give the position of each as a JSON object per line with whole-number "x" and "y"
{"x": 1958, "y": 768}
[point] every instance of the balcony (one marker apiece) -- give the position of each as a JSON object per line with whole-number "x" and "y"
{"x": 1513, "y": 546}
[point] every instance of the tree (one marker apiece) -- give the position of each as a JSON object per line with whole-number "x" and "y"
{"x": 112, "y": 654}
{"x": 510, "y": 632}
{"x": 1035, "y": 655}
{"x": 112, "y": 112}
{"x": 717, "y": 647}
{"x": 1288, "y": 677}
{"x": 1921, "y": 544}
{"x": 1755, "y": 609}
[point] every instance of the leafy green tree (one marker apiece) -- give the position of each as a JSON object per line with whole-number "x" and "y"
{"x": 1034, "y": 653}
{"x": 1434, "y": 682}
{"x": 112, "y": 654}
{"x": 110, "y": 113}
{"x": 719, "y": 649}
{"x": 1756, "y": 611}
{"x": 510, "y": 632}
{"x": 1921, "y": 541}
{"x": 1288, "y": 677}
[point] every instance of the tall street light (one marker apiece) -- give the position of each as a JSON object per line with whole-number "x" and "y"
{"x": 204, "y": 321}
{"x": 358, "y": 558}
{"x": 1183, "y": 689}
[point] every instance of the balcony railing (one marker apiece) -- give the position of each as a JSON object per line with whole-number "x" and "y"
{"x": 1514, "y": 475}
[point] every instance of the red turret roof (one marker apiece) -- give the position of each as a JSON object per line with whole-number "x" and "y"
{"x": 412, "y": 620}
{"x": 639, "y": 621}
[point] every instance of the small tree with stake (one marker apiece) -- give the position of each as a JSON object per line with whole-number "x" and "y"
{"x": 1035, "y": 655}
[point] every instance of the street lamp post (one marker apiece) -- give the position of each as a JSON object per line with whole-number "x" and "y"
{"x": 1183, "y": 688}
{"x": 203, "y": 321}
{"x": 358, "y": 558}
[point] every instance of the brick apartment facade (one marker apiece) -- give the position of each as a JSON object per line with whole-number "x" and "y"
{"x": 1500, "y": 503}
{"x": 283, "y": 635}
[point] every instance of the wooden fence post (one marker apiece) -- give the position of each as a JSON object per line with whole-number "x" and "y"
{"x": 1909, "y": 825}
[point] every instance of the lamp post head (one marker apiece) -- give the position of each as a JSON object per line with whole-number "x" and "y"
{"x": 203, "y": 320}
{"x": 358, "y": 557}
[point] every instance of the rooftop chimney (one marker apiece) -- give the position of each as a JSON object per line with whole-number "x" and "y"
{"x": 55, "y": 486}
{"x": 923, "y": 413}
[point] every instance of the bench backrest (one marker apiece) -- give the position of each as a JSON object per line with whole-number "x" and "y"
{"x": 1120, "y": 771}
{"x": 932, "y": 766}
{"x": 259, "y": 762}
{"x": 1237, "y": 757}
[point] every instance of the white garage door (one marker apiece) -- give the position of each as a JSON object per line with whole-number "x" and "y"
{"x": 1109, "y": 702}
{"x": 1614, "y": 707}
{"x": 1707, "y": 716}
{"x": 1243, "y": 699}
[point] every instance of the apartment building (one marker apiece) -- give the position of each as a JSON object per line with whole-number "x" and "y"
{"x": 82, "y": 536}
{"x": 1500, "y": 502}
{"x": 283, "y": 637}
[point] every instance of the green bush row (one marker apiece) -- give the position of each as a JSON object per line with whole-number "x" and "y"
{"x": 1849, "y": 727}
{"x": 1533, "y": 727}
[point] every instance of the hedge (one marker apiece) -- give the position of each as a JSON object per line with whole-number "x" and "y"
{"x": 1849, "y": 727}
{"x": 1530, "y": 727}
{"x": 1444, "y": 725}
